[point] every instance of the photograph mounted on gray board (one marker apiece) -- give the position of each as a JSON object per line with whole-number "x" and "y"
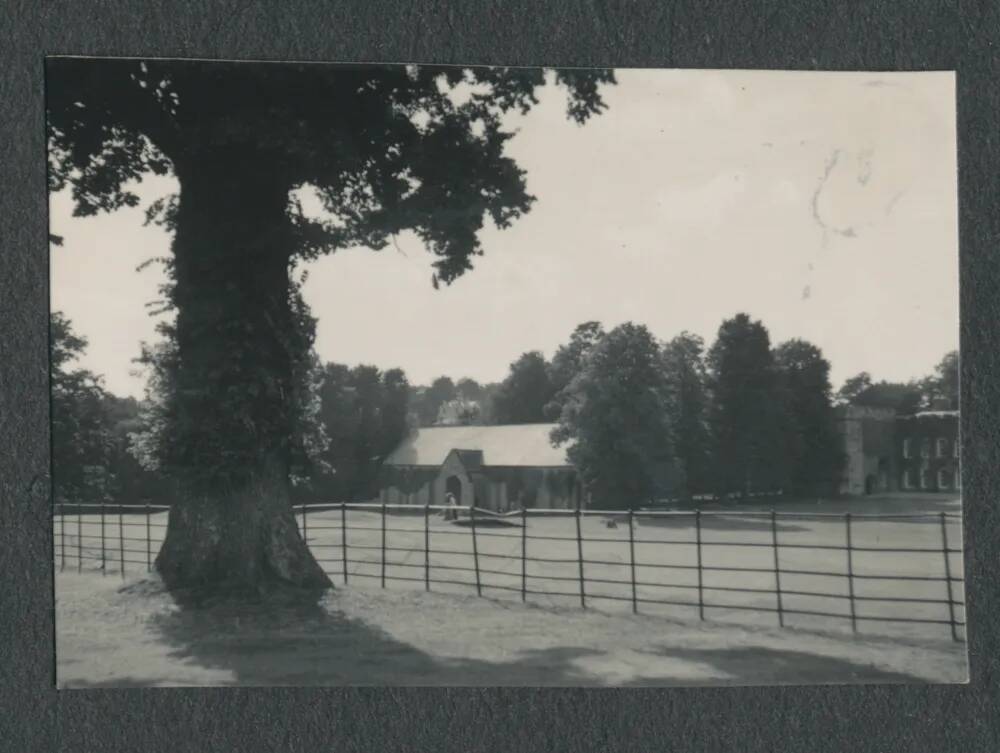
{"x": 476, "y": 376}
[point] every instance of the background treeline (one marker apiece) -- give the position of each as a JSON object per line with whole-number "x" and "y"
{"x": 643, "y": 418}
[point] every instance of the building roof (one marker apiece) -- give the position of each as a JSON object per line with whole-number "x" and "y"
{"x": 526, "y": 445}
{"x": 934, "y": 414}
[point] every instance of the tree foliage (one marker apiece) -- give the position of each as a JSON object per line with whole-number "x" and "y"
{"x": 616, "y": 419}
{"x": 814, "y": 450}
{"x": 522, "y": 396}
{"x": 83, "y": 446}
{"x": 568, "y": 362}
{"x": 942, "y": 387}
{"x": 363, "y": 412}
{"x": 384, "y": 150}
{"x": 747, "y": 418}
{"x": 684, "y": 370}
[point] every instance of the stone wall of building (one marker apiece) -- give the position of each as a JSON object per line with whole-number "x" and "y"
{"x": 928, "y": 451}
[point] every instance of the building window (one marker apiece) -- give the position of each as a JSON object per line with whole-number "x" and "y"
{"x": 926, "y": 480}
{"x": 942, "y": 446}
{"x": 954, "y": 448}
{"x": 944, "y": 479}
{"x": 907, "y": 453}
{"x": 909, "y": 479}
{"x": 925, "y": 448}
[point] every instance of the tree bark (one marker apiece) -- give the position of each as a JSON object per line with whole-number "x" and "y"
{"x": 231, "y": 414}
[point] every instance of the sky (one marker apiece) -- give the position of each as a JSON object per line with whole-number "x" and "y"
{"x": 823, "y": 204}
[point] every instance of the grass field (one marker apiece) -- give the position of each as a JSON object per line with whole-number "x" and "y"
{"x": 111, "y": 633}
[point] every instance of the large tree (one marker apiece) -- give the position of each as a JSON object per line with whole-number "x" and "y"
{"x": 522, "y": 396}
{"x": 812, "y": 439}
{"x": 83, "y": 445}
{"x": 942, "y": 387}
{"x": 748, "y": 416}
{"x": 903, "y": 397}
{"x": 684, "y": 369}
{"x": 568, "y": 362}
{"x": 616, "y": 419}
{"x": 384, "y": 149}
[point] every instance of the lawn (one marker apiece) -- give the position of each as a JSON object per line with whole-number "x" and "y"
{"x": 131, "y": 634}
{"x": 121, "y": 628}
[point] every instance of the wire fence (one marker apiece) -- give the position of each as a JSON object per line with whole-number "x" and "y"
{"x": 865, "y": 571}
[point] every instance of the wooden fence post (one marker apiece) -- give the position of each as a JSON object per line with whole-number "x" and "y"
{"x": 475, "y": 550}
{"x": 777, "y": 566}
{"x": 947, "y": 575}
{"x": 343, "y": 537}
{"x": 631, "y": 557}
{"x": 701, "y": 596}
{"x": 383, "y": 545}
{"x": 149, "y": 552}
{"x": 305, "y": 524}
{"x": 850, "y": 573}
{"x": 524, "y": 553}
{"x": 579, "y": 557}
{"x": 427, "y": 546}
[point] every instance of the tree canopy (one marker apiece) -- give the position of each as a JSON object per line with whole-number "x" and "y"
{"x": 522, "y": 396}
{"x": 616, "y": 419}
{"x": 382, "y": 149}
{"x": 814, "y": 447}
{"x": 747, "y": 417}
{"x": 386, "y": 148}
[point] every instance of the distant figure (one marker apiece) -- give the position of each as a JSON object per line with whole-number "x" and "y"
{"x": 451, "y": 513}
{"x": 610, "y": 523}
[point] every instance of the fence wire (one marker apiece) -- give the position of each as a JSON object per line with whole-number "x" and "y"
{"x": 709, "y": 562}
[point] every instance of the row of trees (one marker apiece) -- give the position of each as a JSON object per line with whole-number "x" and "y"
{"x": 109, "y": 449}
{"x": 644, "y": 418}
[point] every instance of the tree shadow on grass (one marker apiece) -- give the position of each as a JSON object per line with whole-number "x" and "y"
{"x": 312, "y": 645}
{"x": 755, "y": 665}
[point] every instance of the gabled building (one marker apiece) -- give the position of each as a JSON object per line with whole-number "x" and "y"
{"x": 497, "y": 468}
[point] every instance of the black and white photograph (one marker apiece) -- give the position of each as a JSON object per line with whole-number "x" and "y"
{"x": 426, "y": 375}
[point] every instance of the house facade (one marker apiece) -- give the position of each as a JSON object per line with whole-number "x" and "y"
{"x": 928, "y": 451}
{"x": 498, "y": 468}
{"x": 886, "y": 452}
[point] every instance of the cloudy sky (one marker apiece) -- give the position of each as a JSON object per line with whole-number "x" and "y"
{"x": 822, "y": 203}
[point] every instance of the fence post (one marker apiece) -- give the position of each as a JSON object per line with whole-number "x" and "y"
{"x": 149, "y": 553}
{"x": 343, "y": 537}
{"x": 701, "y": 596}
{"x": 850, "y": 574}
{"x": 947, "y": 575}
{"x": 427, "y": 546}
{"x": 79, "y": 537}
{"x": 475, "y": 550}
{"x": 62, "y": 540}
{"x": 777, "y": 567}
{"x": 305, "y": 524}
{"x": 579, "y": 557}
{"x": 121, "y": 540}
{"x": 524, "y": 553}
{"x": 103, "y": 556}
{"x": 383, "y": 545}
{"x": 631, "y": 557}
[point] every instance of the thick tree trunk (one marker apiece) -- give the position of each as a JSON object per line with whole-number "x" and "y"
{"x": 231, "y": 411}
